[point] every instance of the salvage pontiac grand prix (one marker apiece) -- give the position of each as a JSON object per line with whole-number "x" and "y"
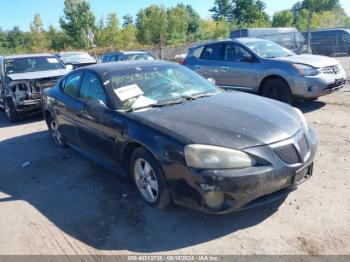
{"x": 180, "y": 138}
{"x": 22, "y": 78}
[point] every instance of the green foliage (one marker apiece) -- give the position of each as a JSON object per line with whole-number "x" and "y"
{"x": 78, "y": 19}
{"x": 127, "y": 20}
{"x": 222, "y": 8}
{"x": 282, "y": 18}
{"x": 38, "y": 41}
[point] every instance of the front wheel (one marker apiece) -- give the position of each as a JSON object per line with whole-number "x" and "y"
{"x": 277, "y": 89}
{"x": 10, "y": 111}
{"x": 149, "y": 179}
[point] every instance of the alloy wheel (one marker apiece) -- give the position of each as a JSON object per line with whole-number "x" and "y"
{"x": 146, "y": 180}
{"x": 55, "y": 133}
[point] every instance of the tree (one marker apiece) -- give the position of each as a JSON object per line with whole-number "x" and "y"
{"x": 177, "y": 24}
{"x": 152, "y": 25}
{"x": 320, "y": 5}
{"x": 222, "y": 8}
{"x": 282, "y": 18}
{"x": 112, "y": 31}
{"x": 77, "y": 21}
{"x": 128, "y": 37}
{"x": 38, "y": 41}
{"x": 193, "y": 22}
{"x": 127, "y": 20}
{"x": 249, "y": 13}
{"x": 17, "y": 40}
{"x": 55, "y": 38}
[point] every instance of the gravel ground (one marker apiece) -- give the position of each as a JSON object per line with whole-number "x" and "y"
{"x": 62, "y": 203}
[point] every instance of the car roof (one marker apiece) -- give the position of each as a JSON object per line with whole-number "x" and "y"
{"x": 25, "y": 56}
{"x": 104, "y": 68}
{"x": 329, "y": 30}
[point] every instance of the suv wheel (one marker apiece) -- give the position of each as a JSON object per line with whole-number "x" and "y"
{"x": 277, "y": 89}
{"x": 10, "y": 111}
{"x": 149, "y": 179}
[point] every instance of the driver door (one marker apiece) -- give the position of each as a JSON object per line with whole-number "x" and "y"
{"x": 98, "y": 132}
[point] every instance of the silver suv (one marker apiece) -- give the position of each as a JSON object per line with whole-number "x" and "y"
{"x": 264, "y": 67}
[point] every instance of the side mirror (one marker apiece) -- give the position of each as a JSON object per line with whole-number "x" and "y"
{"x": 96, "y": 105}
{"x": 212, "y": 80}
{"x": 69, "y": 67}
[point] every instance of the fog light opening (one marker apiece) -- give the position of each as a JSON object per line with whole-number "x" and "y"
{"x": 312, "y": 88}
{"x": 214, "y": 199}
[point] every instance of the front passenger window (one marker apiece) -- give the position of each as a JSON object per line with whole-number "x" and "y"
{"x": 92, "y": 89}
{"x": 235, "y": 53}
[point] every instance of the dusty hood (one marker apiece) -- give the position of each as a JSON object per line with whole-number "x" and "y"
{"x": 312, "y": 60}
{"x": 38, "y": 74}
{"x": 235, "y": 120}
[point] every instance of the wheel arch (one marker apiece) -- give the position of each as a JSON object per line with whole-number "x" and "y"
{"x": 272, "y": 77}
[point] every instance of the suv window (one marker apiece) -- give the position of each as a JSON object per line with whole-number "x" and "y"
{"x": 235, "y": 53}
{"x": 197, "y": 52}
{"x": 92, "y": 89}
{"x": 114, "y": 58}
{"x": 212, "y": 52}
{"x": 70, "y": 85}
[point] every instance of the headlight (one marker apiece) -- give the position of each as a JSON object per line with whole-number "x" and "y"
{"x": 214, "y": 157}
{"x": 305, "y": 70}
{"x": 303, "y": 121}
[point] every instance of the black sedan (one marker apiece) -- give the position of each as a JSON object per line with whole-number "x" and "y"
{"x": 180, "y": 138}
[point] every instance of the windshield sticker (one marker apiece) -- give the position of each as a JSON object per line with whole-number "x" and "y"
{"x": 127, "y": 92}
{"x": 52, "y": 60}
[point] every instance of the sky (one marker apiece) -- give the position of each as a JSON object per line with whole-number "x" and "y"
{"x": 21, "y": 12}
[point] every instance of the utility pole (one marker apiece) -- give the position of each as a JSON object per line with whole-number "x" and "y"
{"x": 309, "y": 17}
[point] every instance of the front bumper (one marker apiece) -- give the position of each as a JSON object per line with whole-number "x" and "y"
{"x": 31, "y": 105}
{"x": 316, "y": 86}
{"x": 241, "y": 188}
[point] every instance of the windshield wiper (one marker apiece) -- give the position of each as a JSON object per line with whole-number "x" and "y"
{"x": 162, "y": 104}
{"x": 196, "y": 96}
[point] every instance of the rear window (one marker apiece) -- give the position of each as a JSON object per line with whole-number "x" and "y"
{"x": 212, "y": 52}
{"x": 198, "y": 51}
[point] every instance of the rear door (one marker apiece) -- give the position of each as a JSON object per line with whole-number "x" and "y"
{"x": 236, "y": 71}
{"x": 209, "y": 62}
{"x": 68, "y": 107}
{"x": 99, "y": 131}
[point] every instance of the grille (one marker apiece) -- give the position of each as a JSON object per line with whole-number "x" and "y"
{"x": 330, "y": 70}
{"x": 336, "y": 85}
{"x": 288, "y": 154}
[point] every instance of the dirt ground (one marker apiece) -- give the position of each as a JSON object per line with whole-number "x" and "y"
{"x": 62, "y": 203}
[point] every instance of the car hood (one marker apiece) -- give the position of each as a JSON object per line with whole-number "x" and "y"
{"x": 38, "y": 74}
{"x": 231, "y": 119}
{"x": 312, "y": 60}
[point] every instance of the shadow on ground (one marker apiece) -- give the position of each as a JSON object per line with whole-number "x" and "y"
{"x": 100, "y": 208}
{"x": 26, "y": 120}
{"x": 309, "y": 106}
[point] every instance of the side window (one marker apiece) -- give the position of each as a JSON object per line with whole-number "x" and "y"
{"x": 92, "y": 89}
{"x": 235, "y": 53}
{"x": 113, "y": 58}
{"x": 212, "y": 52}
{"x": 197, "y": 52}
{"x": 70, "y": 85}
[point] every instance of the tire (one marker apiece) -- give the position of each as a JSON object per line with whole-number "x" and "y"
{"x": 55, "y": 133}
{"x": 277, "y": 89}
{"x": 11, "y": 114}
{"x": 149, "y": 179}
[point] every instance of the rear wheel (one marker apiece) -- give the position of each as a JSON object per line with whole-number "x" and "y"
{"x": 55, "y": 133}
{"x": 149, "y": 179}
{"x": 10, "y": 111}
{"x": 277, "y": 89}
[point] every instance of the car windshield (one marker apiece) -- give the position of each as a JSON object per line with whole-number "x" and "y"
{"x": 140, "y": 56}
{"x": 150, "y": 85}
{"x": 74, "y": 55}
{"x": 32, "y": 64}
{"x": 268, "y": 49}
